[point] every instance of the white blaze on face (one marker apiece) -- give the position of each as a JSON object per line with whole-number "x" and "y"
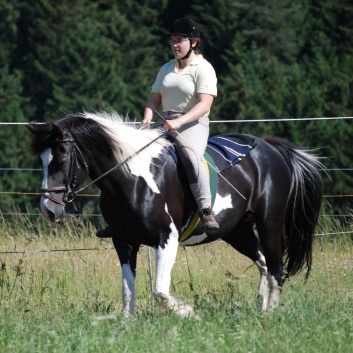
{"x": 46, "y": 157}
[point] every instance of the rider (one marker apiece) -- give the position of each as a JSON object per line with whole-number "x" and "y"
{"x": 185, "y": 88}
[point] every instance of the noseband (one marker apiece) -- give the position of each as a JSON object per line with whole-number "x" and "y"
{"x": 69, "y": 188}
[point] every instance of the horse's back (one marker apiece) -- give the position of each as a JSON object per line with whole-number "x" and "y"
{"x": 262, "y": 163}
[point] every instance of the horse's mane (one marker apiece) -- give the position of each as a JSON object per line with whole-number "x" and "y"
{"x": 108, "y": 133}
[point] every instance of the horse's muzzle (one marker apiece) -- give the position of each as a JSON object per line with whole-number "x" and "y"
{"x": 51, "y": 211}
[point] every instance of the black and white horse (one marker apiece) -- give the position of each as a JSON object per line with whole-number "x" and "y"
{"x": 276, "y": 188}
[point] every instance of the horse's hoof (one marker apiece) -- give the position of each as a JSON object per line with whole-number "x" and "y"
{"x": 186, "y": 310}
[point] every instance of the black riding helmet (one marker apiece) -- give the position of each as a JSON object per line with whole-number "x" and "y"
{"x": 186, "y": 28}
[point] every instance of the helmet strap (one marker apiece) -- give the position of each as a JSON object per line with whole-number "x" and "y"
{"x": 189, "y": 52}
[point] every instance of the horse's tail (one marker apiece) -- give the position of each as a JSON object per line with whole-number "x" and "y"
{"x": 303, "y": 205}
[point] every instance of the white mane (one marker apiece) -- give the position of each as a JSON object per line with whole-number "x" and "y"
{"x": 129, "y": 139}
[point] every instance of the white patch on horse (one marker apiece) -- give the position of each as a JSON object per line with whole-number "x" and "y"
{"x": 222, "y": 203}
{"x": 275, "y": 292}
{"x": 264, "y": 290}
{"x": 123, "y": 132}
{"x": 141, "y": 168}
{"x": 128, "y": 289}
{"x": 46, "y": 157}
{"x": 165, "y": 259}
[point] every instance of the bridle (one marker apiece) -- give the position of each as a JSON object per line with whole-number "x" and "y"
{"x": 75, "y": 164}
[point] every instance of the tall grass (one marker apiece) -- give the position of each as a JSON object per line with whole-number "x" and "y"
{"x": 62, "y": 301}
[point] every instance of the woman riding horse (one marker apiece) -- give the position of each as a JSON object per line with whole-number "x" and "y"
{"x": 145, "y": 199}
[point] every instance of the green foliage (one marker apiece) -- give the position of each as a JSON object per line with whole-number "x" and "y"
{"x": 274, "y": 26}
{"x": 274, "y": 59}
{"x": 9, "y": 14}
{"x": 13, "y": 142}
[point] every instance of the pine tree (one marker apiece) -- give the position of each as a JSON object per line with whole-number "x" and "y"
{"x": 274, "y": 26}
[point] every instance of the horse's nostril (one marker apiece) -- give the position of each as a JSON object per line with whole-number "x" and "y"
{"x": 51, "y": 216}
{"x": 47, "y": 214}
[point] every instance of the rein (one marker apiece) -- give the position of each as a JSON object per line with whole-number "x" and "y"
{"x": 74, "y": 193}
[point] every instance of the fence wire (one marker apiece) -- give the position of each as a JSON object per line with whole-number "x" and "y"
{"x": 94, "y": 195}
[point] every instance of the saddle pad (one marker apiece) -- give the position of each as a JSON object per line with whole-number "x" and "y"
{"x": 229, "y": 149}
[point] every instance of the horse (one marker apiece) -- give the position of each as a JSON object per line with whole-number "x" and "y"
{"x": 267, "y": 205}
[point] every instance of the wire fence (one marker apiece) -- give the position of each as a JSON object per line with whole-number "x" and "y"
{"x": 23, "y": 252}
{"x": 227, "y": 121}
{"x": 17, "y": 214}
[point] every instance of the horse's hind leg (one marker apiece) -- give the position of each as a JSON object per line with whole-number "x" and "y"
{"x": 270, "y": 234}
{"x": 264, "y": 290}
{"x": 244, "y": 240}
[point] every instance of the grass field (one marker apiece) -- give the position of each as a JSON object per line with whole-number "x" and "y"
{"x": 70, "y": 301}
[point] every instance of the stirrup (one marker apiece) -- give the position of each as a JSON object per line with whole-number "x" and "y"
{"x": 208, "y": 218}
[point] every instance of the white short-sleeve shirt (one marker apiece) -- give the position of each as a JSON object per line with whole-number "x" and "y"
{"x": 179, "y": 90}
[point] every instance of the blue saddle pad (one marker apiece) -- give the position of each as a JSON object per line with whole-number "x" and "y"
{"x": 229, "y": 149}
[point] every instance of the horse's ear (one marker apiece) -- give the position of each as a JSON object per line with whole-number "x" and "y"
{"x": 58, "y": 132}
{"x": 46, "y": 129}
{"x": 39, "y": 129}
{"x": 31, "y": 128}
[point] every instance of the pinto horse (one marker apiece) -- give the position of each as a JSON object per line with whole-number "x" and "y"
{"x": 276, "y": 188}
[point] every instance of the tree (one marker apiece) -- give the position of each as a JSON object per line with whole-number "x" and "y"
{"x": 273, "y": 59}
{"x": 13, "y": 143}
{"x": 275, "y": 27}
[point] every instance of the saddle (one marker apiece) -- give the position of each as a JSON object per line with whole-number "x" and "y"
{"x": 222, "y": 152}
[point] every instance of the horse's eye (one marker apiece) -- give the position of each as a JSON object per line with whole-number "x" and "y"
{"x": 62, "y": 163}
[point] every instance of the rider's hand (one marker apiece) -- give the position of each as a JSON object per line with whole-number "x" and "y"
{"x": 147, "y": 121}
{"x": 173, "y": 125}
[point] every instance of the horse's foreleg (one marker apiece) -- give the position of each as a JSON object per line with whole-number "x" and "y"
{"x": 127, "y": 256}
{"x": 165, "y": 259}
{"x": 128, "y": 289}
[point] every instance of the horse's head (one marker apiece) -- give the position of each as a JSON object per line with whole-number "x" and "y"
{"x": 105, "y": 140}
{"x": 63, "y": 164}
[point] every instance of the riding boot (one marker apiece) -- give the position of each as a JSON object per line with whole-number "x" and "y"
{"x": 104, "y": 233}
{"x": 208, "y": 219}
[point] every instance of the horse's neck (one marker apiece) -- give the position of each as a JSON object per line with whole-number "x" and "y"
{"x": 107, "y": 175}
